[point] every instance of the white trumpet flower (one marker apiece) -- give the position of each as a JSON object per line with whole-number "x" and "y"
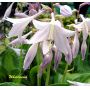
{"x": 53, "y": 32}
{"x": 84, "y": 27}
{"x": 20, "y": 24}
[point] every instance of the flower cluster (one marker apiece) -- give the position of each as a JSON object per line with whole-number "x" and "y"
{"x": 49, "y": 36}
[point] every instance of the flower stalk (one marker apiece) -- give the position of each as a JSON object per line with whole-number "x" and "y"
{"x": 48, "y": 75}
{"x": 64, "y": 74}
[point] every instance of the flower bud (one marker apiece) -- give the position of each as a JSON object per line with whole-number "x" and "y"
{"x": 65, "y": 10}
{"x": 47, "y": 59}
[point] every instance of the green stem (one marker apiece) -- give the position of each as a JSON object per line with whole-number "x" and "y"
{"x": 48, "y": 75}
{"x": 65, "y": 72}
{"x": 38, "y": 78}
{"x": 38, "y": 64}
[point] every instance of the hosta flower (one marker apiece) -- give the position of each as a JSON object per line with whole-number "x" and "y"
{"x": 50, "y": 33}
{"x": 84, "y": 27}
{"x": 65, "y": 10}
{"x": 54, "y": 32}
{"x": 20, "y": 24}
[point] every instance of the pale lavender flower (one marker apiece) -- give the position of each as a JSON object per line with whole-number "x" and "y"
{"x": 20, "y": 24}
{"x": 49, "y": 34}
{"x": 83, "y": 27}
{"x": 54, "y": 32}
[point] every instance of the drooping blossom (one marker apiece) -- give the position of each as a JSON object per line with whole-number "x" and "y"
{"x": 83, "y": 27}
{"x": 20, "y": 24}
{"x": 51, "y": 33}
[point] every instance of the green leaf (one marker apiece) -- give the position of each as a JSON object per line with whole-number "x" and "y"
{"x": 79, "y": 77}
{"x": 33, "y": 75}
{"x": 9, "y": 60}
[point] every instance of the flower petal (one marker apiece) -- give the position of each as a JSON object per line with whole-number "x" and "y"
{"x": 40, "y": 35}
{"x": 57, "y": 59}
{"x": 58, "y": 23}
{"x": 60, "y": 40}
{"x": 83, "y": 49}
{"x": 40, "y": 25}
{"x": 85, "y": 31}
{"x": 68, "y": 57}
{"x": 75, "y": 46}
{"x": 19, "y": 27}
{"x": 45, "y": 47}
{"x": 68, "y": 33}
{"x": 47, "y": 59}
{"x": 8, "y": 11}
{"x": 30, "y": 56}
{"x": 18, "y": 41}
{"x": 20, "y": 15}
